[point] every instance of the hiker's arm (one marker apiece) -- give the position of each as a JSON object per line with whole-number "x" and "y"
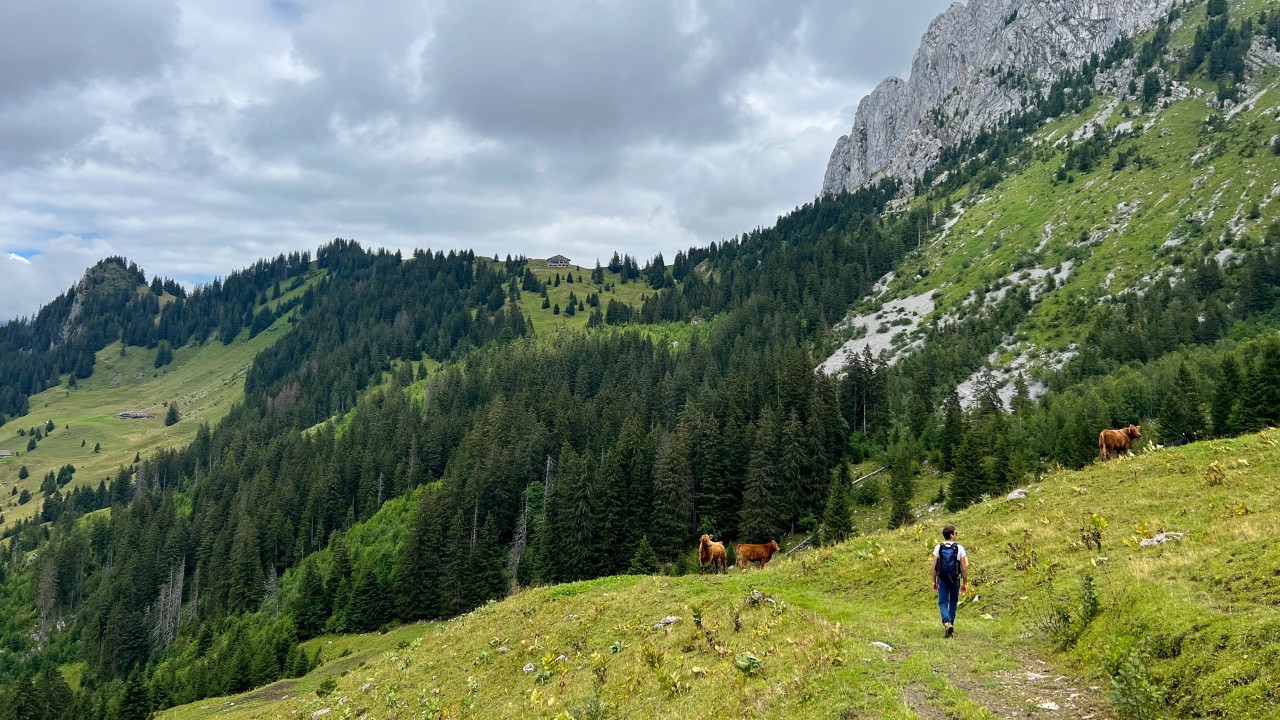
{"x": 964, "y": 573}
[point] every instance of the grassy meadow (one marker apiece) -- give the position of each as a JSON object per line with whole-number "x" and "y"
{"x": 204, "y": 380}
{"x": 1054, "y": 626}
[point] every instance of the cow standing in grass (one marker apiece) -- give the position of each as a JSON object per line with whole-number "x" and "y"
{"x": 1114, "y": 443}
{"x": 711, "y": 553}
{"x": 749, "y": 553}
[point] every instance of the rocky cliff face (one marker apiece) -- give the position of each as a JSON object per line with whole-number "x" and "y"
{"x": 958, "y": 84}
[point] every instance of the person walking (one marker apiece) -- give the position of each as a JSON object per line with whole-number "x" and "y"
{"x": 950, "y": 568}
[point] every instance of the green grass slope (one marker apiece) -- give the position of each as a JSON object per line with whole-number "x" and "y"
{"x": 204, "y": 380}
{"x": 546, "y": 321}
{"x": 1188, "y": 628}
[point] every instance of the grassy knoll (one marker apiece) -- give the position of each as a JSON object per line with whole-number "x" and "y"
{"x": 1189, "y": 626}
{"x": 205, "y": 381}
{"x": 545, "y": 321}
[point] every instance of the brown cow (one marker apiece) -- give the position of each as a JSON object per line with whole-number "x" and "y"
{"x": 711, "y": 553}
{"x": 748, "y": 553}
{"x": 1113, "y": 443}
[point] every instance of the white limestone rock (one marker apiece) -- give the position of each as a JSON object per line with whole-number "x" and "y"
{"x": 957, "y": 85}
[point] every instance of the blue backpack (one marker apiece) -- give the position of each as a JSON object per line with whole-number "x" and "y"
{"x": 949, "y": 560}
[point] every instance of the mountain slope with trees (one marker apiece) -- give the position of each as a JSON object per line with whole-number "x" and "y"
{"x": 415, "y": 440}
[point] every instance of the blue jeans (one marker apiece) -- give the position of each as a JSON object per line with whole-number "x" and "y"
{"x": 948, "y": 594}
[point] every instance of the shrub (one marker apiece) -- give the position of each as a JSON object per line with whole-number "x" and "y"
{"x": 1132, "y": 694}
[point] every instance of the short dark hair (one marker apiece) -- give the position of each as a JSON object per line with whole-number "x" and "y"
{"x": 948, "y": 532}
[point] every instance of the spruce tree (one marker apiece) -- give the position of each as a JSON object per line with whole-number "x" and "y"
{"x": 644, "y": 561}
{"x": 969, "y": 475}
{"x": 136, "y": 702}
{"x": 417, "y": 569}
{"x": 338, "y": 585}
{"x": 672, "y": 496}
{"x": 486, "y": 572}
{"x": 763, "y": 514}
{"x": 310, "y": 607}
{"x": 172, "y": 417}
{"x": 367, "y": 607}
{"x": 798, "y": 477}
{"x": 952, "y": 430}
{"x": 837, "y": 524}
{"x": 245, "y": 578}
{"x": 1225, "y": 395}
{"x": 902, "y": 471}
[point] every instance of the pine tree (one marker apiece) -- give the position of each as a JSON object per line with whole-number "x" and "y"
{"x": 417, "y": 571}
{"x": 969, "y": 475}
{"x": 486, "y": 577}
{"x": 644, "y": 561}
{"x": 367, "y": 607}
{"x": 763, "y": 514}
{"x": 171, "y": 417}
{"x": 136, "y": 702}
{"x": 310, "y": 607}
{"x": 672, "y": 496}
{"x": 245, "y": 579}
{"x": 1225, "y": 394}
{"x": 338, "y": 586}
{"x": 837, "y": 524}
{"x": 952, "y": 430}
{"x": 902, "y": 473}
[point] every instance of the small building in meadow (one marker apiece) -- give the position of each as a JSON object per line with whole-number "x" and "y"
{"x": 5, "y": 454}
{"x": 557, "y": 261}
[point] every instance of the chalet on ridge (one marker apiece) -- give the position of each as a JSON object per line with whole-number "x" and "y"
{"x": 558, "y": 261}
{"x": 5, "y": 454}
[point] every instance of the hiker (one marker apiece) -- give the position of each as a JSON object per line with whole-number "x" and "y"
{"x": 950, "y": 567}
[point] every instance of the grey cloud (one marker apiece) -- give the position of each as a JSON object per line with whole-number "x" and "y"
{"x": 51, "y": 42}
{"x": 588, "y": 71}
{"x": 580, "y": 127}
{"x": 865, "y": 42}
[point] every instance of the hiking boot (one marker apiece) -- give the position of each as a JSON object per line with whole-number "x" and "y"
{"x": 950, "y": 629}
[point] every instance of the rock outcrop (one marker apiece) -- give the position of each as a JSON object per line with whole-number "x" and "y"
{"x": 960, "y": 78}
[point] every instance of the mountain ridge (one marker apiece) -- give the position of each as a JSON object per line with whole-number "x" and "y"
{"x": 962, "y": 79}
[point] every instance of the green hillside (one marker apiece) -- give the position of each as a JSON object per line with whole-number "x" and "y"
{"x": 407, "y": 438}
{"x": 1189, "y": 623}
{"x": 1108, "y": 199}
{"x": 204, "y": 381}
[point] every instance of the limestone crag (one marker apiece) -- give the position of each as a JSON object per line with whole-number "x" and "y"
{"x": 959, "y": 82}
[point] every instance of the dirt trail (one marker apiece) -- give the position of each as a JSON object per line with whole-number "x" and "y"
{"x": 1034, "y": 691}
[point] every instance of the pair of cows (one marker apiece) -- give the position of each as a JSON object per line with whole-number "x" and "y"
{"x": 1114, "y": 443}
{"x": 712, "y": 554}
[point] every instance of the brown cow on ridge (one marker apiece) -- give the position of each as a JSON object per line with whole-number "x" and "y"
{"x": 748, "y": 553}
{"x": 1113, "y": 443}
{"x": 712, "y": 553}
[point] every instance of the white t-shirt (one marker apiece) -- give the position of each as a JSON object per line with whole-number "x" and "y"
{"x": 959, "y": 555}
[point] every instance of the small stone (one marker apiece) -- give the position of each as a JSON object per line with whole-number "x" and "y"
{"x": 504, "y": 649}
{"x": 1032, "y": 677}
{"x": 883, "y": 646}
{"x": 666, "y": 621}
{"x": 1048, "y": 706}
{"x": 528, "y": 668}
{"x": 365, "y": 687}
{"x": 562, "y": 658}
{"x": 321, "y": 712}
{"x": 1019, "y": 494}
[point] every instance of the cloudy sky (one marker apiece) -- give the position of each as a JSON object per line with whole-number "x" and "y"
{"x": 196, "y": 136}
